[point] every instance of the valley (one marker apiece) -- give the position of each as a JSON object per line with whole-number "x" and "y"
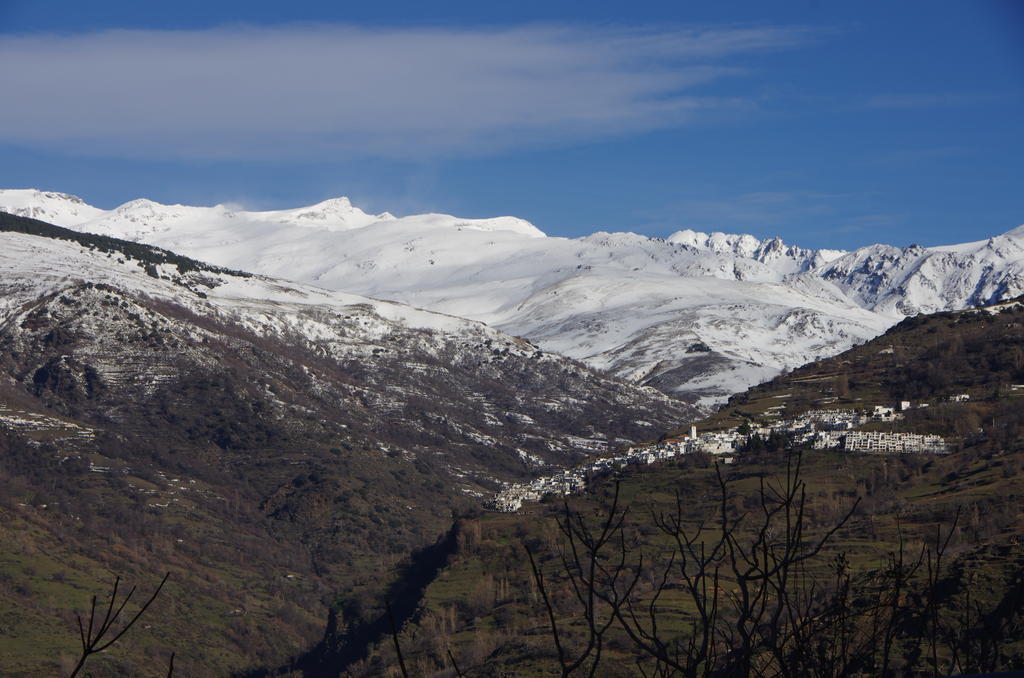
{"x": 269, "y": 443}
{"x": 949, "y": 521}
{"x": 299, "y": 458}
{"x": 511, "y": 340}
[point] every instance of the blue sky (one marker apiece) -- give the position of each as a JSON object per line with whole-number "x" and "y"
{"x": 831, "y": 124}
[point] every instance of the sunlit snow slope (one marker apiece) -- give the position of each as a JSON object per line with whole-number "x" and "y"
{"x": 707, "y": 314}
{"x": 109, "y": 326}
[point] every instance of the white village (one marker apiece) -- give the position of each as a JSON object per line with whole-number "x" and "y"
{"x": 820, "y": 429}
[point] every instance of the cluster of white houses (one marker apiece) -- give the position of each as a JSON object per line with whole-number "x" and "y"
{"x": 510, "y": 499}
{"x": 878, "y": 442}
{"x": 821, "y": 429}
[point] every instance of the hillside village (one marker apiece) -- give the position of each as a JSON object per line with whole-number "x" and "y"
{"x": 820, "y": 429}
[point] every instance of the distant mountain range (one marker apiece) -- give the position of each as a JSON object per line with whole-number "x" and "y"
{"x": 94, "y": 326}
{"x": 696, "y": 314}
{"x": 279, "y": 447}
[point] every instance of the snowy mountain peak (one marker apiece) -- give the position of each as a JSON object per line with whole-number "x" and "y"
{"x": 335, "y": 214}
{"x": 784, "y": 259}
{"x": 512, "y": 224}
{"x": 33, "y": 196}
{"x": 125, "y": 221}
{"x": 741, "y": 244}
{"x": 147, "y": 207}
{"x": 340, "y": 206}
{"x": 341, "y": 202}
{"x": 49, "y": 206}
{"x": 622, "y": 302}
{"x": 506, "y": 224}
{"x": 916, "y": 279}
{"x": 138, "y": 203}
{"x": 1012, "y": 240}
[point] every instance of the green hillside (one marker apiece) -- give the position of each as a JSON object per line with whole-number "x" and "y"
{"x": 922, "y": 575}
{"x": 924, "y": 359}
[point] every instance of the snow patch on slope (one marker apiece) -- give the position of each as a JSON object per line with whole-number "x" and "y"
{"x": 702, "y": 313}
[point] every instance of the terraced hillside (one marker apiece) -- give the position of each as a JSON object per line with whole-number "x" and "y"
{"x": 921, "y": 571}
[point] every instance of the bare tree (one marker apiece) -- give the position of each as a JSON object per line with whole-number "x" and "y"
{"x": 100, "y": 634}
{"x": 764, "y": 623}
{"x": 756, "y": 602}
{"x": 594, "y": 580}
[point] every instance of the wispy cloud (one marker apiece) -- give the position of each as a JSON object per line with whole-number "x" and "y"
{"x": 321, "y": 90}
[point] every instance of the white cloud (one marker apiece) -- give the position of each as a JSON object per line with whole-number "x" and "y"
{"x": 313, "y": 91}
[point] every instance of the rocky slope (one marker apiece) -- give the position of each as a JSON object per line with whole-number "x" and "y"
{"x": 705, "y": 314}
{"x": 911, "y": 280}
{"x": 102, "y": 331}
{"x": 159, "y": 413}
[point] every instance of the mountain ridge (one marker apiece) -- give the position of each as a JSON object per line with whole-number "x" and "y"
{"x": 624, "y": 303}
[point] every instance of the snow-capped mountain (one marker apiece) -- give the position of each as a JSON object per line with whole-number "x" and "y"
{"x": 54, "y": 208}
{"x": 289, "y": 439}
{"x": 705, "y": 314}
{"x": 911, "y": 280}
{"x": 105, "y": 328}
